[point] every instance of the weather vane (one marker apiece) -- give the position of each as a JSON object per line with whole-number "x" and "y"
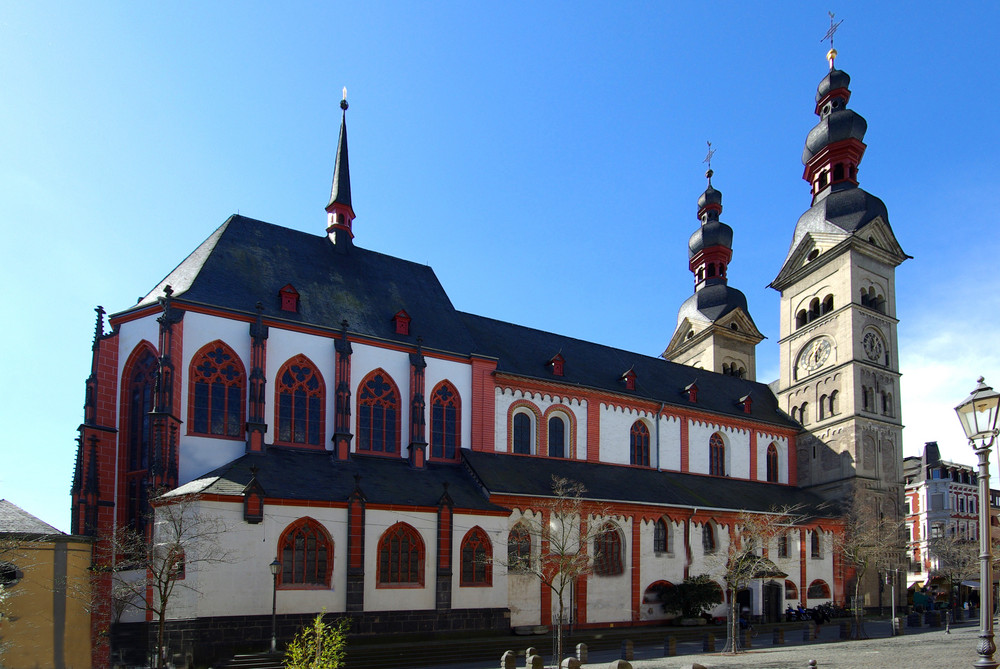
{"x": 708, "y": 161}
{"x": 832, "y": 53}
{"x": 343, "y": 100}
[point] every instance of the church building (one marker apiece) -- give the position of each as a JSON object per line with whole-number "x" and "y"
{"x": 386, "y": 450}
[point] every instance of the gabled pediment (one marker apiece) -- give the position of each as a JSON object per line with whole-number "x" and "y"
{"x": 740, "y": 324}
{"x": 811, "y": 248}
{"x": 686, "y": 333}
{"x": 879, "y": 234}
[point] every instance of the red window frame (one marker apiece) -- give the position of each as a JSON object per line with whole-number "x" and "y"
{"x": 608, "y": 552}
{"x": 216, "y": 393}
{"x": 716, "y": 455}
{"x": 400, "y": 558}
{"x": 300, "y": 404}
{"x": 639, "y": 444}
{"x": 476, "y": 551}
{"x": 378, "y": 409}
{"x": 305, "y": 551}
{"x": 772, "y": 463}
{"x": 446, "y": 422}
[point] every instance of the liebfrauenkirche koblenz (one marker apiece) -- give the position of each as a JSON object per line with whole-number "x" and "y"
{"x": 330, "y": 405}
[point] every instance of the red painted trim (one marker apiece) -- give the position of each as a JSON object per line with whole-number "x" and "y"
{"x": 479, "y": 534}
{"x": 544, "y": 430}
{"x": 636, "y": 569}
{"x": 753, "y": 455}
{"x": 322, "y": 533}
{"x": 396, "y": 436}
{"x": 196, "y": 359}
{"x": 483, "y": 405}
{"x": 581, "y": 584}
{"x": 685, "y": 444}
{"x": 418, "y": 546}
{"x": 457, "y": 401}
{"x": 593, "y": 430}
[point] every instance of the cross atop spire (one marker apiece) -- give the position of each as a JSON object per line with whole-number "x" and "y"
{"x": 708, "y": 161}
{"x": 831, "y": 55}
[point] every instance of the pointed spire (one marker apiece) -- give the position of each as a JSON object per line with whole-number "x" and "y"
{"x": 340, "y": 212}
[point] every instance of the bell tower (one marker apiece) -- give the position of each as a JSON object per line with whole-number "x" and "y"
{"x": 839, "y": 358}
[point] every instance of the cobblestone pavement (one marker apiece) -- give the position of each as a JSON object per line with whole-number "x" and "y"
{"x": 931, "y": 648}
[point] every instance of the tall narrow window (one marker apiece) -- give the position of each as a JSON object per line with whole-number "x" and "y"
{"x": 301, "y": 396}
{"x": 446, "y": 411}
{"x": 306, "y": 553}
{"x": 639, "y": 444}
{"x": 521, "y": 441}
{"x": 708, "y": 538}
{"x": 557, "y": 437}
{"x": 137, "y": 394}
{"x": 477, "y": 570}
{"x": 218, "y": 385}
{"x": 716, "y": 455}
{"x": 378, "y": 414}
{"x": 772, "y": 463}
{"x": 661, "y": 537}
{"x": 400, "y": 557}
{"x": 519, "y": 549}
{"x": 834, "y": 402}
{"x": 783, "y": 546}
{"x": 814, "y": 545}
{"x": 608, "y": 552}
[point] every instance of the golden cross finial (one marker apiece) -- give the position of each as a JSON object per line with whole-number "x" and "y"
{"x": 832, "y": 53}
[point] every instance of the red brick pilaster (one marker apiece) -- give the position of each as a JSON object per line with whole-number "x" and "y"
{"x": 483, "y": 404}
{"x": 753, "y": 455}
{"x": 636, "y": 568}
{"x": 803, "y": 551}
{"x": 257, "y": 422}
{"x": 685, "y": 456}
{"x": 545, "y": 592}
{"x": 593, "y": 430}
{"x": 581, "y": 583}
{"x": 342, "y": 404}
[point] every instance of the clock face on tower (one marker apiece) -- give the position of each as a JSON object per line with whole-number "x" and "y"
{"x": 814, "y": 355}
{"x": 873, "y": 346}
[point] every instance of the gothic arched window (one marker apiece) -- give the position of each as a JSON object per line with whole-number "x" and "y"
{"x": 608, "y": 552}
{"x": 301, "y": 396}
{"x": 708, "y": 538}
{"x": 400, "y": 557}
{"x": 716, "y": 455}
{"x": 772, "y": 463}
{"x": 522, "y": 433}
{"x": 639, "y": 444}
{"x": 518, "y": 549}
{"x": 218, "y": 385}
{"x": 378, "y": 414}
{"x": 137, "y": 391}
{"x": 475, "y": 555}
{"x": 306, "y": 553}
{"x": 661, "y": 536}
{"x": 446, "y": 414}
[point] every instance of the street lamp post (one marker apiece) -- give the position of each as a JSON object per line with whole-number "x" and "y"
{"x": 275, "y": 567}
{"x": 978, "y": 414}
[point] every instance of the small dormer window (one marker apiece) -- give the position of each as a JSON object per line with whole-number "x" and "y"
{"x": 692, "y": 392}
{"x": 289, "y": 299}
{"x": 401, "y": 321}
{"x": 556, "y": 364}
{"x": 629, "y": 379}
{"x": 746, "y": 403}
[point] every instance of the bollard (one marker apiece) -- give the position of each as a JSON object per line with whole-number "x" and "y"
{"x": 620, "y": 664}
{"x": 812, "y": 663}
{"x": 670, "y": 646}
{"x": 529, "y": 652}
{"x": 778, "y": 636}
{"x": 845, "y": 629}
{"x": 534, "y": 662}
{"x": 581, "y": 652}
{"x": 570, "y": 663}
{"x": 708, "y": 645}
{"x": 897, "y": 627}
{"x": 508, "y": 660}
{"x": 627, "y": 652}
{"x": 807, "y": 632}
{"x": 747, "y": 639}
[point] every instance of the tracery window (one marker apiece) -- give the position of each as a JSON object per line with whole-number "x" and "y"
{"x": 218, "y": 385}
{"x": 301, "y": 397}
{"x": 639, "y": 444}
{"x": 306, "y": 554}
{"x": 608, "y": 552}
{"x": 138, "y": 398}
{"x": 400, "y": 556}
{"x": 475, "y": 554}
{"x": 446, "y": 412}
{"x": 716, "y": 455}
{"x": 378, "y": 414}
{"x": 772, "y": 463}
{"x": 818, "y": 589}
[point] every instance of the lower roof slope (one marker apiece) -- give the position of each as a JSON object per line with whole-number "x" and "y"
{"x": 502, "y": 473}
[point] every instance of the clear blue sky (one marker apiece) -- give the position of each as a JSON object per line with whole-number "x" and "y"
{"x": 543, "y": 158}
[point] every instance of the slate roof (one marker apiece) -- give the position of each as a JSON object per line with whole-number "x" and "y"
{"x": 246, "y": 261}
{"x": 507, "y": 474}
{"x": 15, "y": 520}
{"x": 524, "y": 351}
{"x": 299, "y": 474}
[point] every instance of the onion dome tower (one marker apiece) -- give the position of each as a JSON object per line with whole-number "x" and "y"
{"x": 714, "y": 327}
{"x": 839, "y": 363}
{"x": 340, "y": 213}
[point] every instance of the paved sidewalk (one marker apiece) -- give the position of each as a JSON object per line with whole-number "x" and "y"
{"x": 923, "y": 649}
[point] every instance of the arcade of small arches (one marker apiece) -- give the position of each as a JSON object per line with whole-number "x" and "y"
{"x": 874, "y": 401}
{"x": 816, "y": 309}
{"x": 828, "y": 406}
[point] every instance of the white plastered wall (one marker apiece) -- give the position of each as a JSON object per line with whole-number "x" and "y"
{"x": 494, "y": 596}
{"x": 282, "y": 345}
{"x": 576, "y": 409}
{"x": 609, "y": 598}
{"x": 653, "y": 566}
{"x": 366, "y": 359}
{"x": 400, "y": 598}
{"x": 616, "y": 426}
{"x": 764, "y": 440}
{"x": 522, "y": 589}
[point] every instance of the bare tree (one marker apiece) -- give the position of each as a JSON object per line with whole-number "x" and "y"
{"x": 745, "y": 559}
{"x": 872, "y": 540}
{"x": 956, "y": 559}
{"x": 151, "y": 570}
{"x": 557, "y": 538}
